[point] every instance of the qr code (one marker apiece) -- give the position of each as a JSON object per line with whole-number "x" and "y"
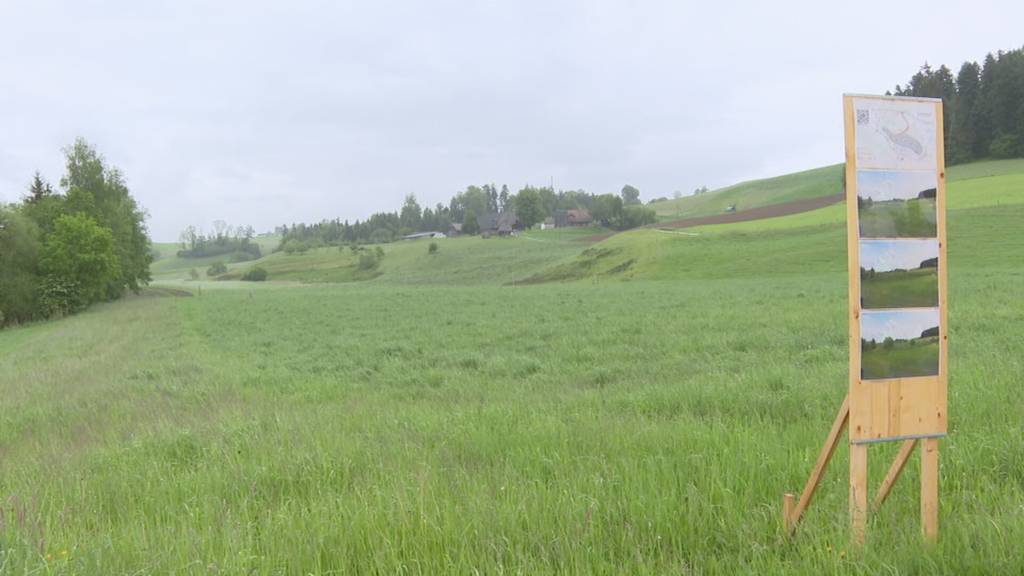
{"x": 863, "y": 117}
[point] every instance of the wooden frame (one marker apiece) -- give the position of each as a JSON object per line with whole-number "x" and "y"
{"x": 896, "y": 408}
{"x": 878, "y": 410}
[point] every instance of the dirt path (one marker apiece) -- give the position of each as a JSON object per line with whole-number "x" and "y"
{"x": 759, "y": 213}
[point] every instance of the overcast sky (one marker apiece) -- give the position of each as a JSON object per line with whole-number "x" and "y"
{"x": 906, "y": 254}
{"x": 266, "y": 113}
{"x": 898, "y": 325}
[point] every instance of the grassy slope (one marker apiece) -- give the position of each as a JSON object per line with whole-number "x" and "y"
{"x": 755, "y": 193}
{"x": 465, "y": 260}
{"x": 168, "y": 266}
{"x": 905, "y": 360}
{"x": 901, "y": 289}
{"x": 802, "y": 242}
{"x": 808, "y": 184}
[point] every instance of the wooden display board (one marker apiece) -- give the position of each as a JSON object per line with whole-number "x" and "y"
{"x": 896, "y": 239}
{"x": 896, "y": 211}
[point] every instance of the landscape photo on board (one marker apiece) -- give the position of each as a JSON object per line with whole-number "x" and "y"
{"x": 896, "y": 204}
{"x": 899, "y": 343}
{"x": 899, "y": 273}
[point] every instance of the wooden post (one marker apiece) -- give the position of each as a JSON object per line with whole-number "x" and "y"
{"x": 858, "y": 492}
{"x": 788, "y": 502}
{"x": 930, "y": 488}
{"x": 894, "y": 472}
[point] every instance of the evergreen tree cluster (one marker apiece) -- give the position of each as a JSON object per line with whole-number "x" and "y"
{"x": 62, "y": 251}
{"x": 983, "y": 105}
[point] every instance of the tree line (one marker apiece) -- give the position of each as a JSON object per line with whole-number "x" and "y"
{"x": 983, "y": 105}
{"x": 530, "y": 204}
{"x": 61, "y": 251}
{"x": 234, "y": 242}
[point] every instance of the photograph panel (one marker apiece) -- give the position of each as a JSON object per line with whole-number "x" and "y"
{"x": 899, "y": 273}
{"x": 896, "y": 204}
{"x": 899, "y": 344}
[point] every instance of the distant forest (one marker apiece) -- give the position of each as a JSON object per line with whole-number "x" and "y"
{"x": 983, "y": 106}
{"x": 531, "y": 206}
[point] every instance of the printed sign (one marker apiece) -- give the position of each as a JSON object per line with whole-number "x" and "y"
{"x": 896, "y": 227}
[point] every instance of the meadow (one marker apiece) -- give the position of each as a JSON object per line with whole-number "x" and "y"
{"x": 904, "y": 359}
{"x": 447, "y": 417}
{"x": 913, "y": 218}
{"x": 918, "y": 288}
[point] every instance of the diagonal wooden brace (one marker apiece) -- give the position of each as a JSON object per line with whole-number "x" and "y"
{"x": 894, "y": 472}
{"x": 792, "y": 510}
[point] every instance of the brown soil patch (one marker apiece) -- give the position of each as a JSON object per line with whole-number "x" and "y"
{"x": 770, "y": 211}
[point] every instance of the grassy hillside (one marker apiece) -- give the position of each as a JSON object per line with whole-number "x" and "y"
{"x": 169, "y": 266}
{"x": 808, "y": 184}
{"x": 464, "y": 260}
{"x": 806, "y": 242}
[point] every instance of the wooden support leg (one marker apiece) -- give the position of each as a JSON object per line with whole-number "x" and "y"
{"x": 792, "y": 514}
{"x": 930, "y": 488}
{"x": 858, "y": 492}
{"x": 894, "y": 472}
{"x": 788, "y": 503}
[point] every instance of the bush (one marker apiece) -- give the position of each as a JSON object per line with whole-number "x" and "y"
{"x": 193, "y": 274}
{"x": 379, "y": 252}
{"x": 257, "y": 274}
{"x": 293, "y": 246}
{"x": 432, "y": 249}
{"x": 368, "y": 261}
{"x": 1005, "y": 146}
{"x": 216, "y": 269}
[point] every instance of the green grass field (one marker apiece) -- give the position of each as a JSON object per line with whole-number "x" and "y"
{"x": 913, "y": 218}
{"x": 906, "y": 359}
{"x": 807, "y": 184}
{"x": 917, "y": 288}
{"x": 440, "y": 418}
{"x": 755, "y": 193}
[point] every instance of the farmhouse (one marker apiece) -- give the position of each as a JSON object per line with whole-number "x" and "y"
{"x": 573, "y": 217}
{"x": 503, "y": 224}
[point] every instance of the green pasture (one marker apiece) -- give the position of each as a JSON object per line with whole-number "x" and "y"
{"x": 537, "y": 405}
{"x": 755, "y": 193}
{"x": 913, "y": 218}
{"x": 905, "y": 359}
{"x": 917, "y": 288}
{"x": 814, "y": 183}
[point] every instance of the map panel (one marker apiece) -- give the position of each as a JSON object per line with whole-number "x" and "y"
{"x": 895, "y": 135}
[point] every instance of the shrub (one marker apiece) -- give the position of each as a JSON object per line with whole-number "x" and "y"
{"x": 379, "y": 252}
{"x": 432, "y": 249}
{"x": 368, "y": 261}
{"x": 293, "y": 246}
{"x": 257, "y": 274}
{"x": 1005, "y": 146}
{"x": 193, "y": 274}
{"x": 216, "y": 269}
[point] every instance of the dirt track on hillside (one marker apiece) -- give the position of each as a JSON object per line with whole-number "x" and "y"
{"x": 759, "y": 213}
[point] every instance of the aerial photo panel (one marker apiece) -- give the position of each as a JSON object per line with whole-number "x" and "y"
{"x": 899, "y": 273}
{"x": 899, "y": 343}
{"x": 895, "y": 204}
